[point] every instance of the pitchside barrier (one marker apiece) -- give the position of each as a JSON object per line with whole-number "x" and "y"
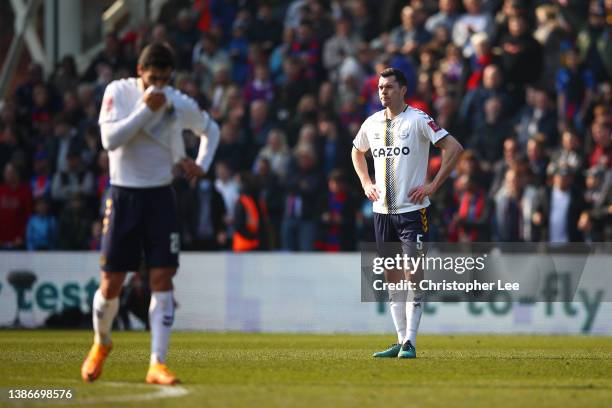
{"x": 291, "y": 292}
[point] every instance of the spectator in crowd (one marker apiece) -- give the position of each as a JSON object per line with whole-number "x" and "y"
{"x": 447, "y": 109}
{"x": 228, "y": 188}
{"x": 47, "y": 96}
{"x": 336, "y": 214}
{"x": 15, "y": 208}
{"x": 601, "y": 154}
{"x": 230, "y": 149}
{"x": 250, "y": 218}
{"x": 409, "y": 36}
{"x": 276, "y": 152}
{"x": 340, "y": 46}
{"x": 267, "y": 31}
{"x": 363, "y": 21}
{"x": 73, "y": 110}
{"x": 207, "y": 223}
{"x": 538, "y": 116}
{"x": 488, "y": 138}
{"x": 111, "y": 56}
{"x": 331, "y": 145}
{"x": 41, "y": 113}
{"x": 472, "y": 112}
{"x": 521, "y": 58}
{"x": 550, "y": 34}
{"x": 350, "y": 116}
{"x": 184, "y": 37}
{"x": 102, "y": 181}
{"x": 483, "y": 56}
{"x": 74, "y": 225}
{"x": 225, "y": 97}
{"x": 453, "y": 67}
{"x": 509, "y": 9}
{"x": 41, "y": 232}
{"x": 595, "y": 222}
{"x": 471, "y": 222}
{"x": 511, "y": 154}
{"x": 307, "y": 49}
{"x": 260, "y": 87}
{"x": 259, "y": 123}
{"x": 575, "y": 87}
{"x": 238, "y": 50}
{"x": 303, "y": 184}
{"x": 515, "y": 202}
{"x": 11, "y": 145}
{"x": 594, "y": 44}
{"x": 74, "y": 180}
{"x": 351, "y": 74}
{"x": 569, "y": 154}
{"x": 90, "y": 147}
{"x": 95, "y": 241}
{"x": 294, "y": 84}
{"x": 41, "y": 175}
{"x": 474, "y": 20}
{"x": 66, "y": 76}
{"x": 560, "y": 209}
{"x": 322, "y": 23}
{"x": 271, "y": 198}
{"x": 306, "y": 114}
{"x": 207, "y": 58}
{"x": 65, "y": 137}
{"x": 445, "y": 17}
{"x": 538, "y": 158}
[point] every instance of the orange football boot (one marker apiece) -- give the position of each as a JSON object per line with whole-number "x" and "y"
{"x": 160, "y": 374}
{"x": 92, "y": 366}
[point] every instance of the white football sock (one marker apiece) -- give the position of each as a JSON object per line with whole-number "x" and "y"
{"x": 414, "y": 310}
{"x": 103, "y": 312}
{"x": 397, "y": 306}
{"x": 161, "y": 317}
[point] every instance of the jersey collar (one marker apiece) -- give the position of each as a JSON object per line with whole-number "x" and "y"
{"x": 403, "y": 110}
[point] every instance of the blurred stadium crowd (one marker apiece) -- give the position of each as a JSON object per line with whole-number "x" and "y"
{"x": 523, "y": 85}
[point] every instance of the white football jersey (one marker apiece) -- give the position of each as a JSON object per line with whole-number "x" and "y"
{"x": 400, "y": 148}
{"x": 146, "y": 159}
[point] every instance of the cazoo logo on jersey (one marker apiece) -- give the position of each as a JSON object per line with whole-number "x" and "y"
{"x": 390, "y": 151}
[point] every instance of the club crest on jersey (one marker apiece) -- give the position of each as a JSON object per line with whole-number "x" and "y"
{"x": 390, "y": 151}
{"x": 434, "y": 126}
{"x": 108, "y": 104}
{"x": 403, "y": 134}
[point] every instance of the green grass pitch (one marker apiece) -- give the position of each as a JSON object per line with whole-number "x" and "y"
{"x": 277, "y": 370}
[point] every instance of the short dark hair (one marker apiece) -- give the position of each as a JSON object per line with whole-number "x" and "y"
{"x": 399, "y": 76}
{"x": 338, "y": 175}
{"x": 157, "y": 55}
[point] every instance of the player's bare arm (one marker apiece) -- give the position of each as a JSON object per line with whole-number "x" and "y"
{"x": 361, "y": 168}
{"x": 451, "y": 149}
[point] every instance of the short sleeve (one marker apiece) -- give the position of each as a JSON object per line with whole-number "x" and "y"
{"x": 429, "y": 129}
{"x": 111, "y": 109}
{"x": 361, "y": 141}
{"x": 192, "y": 117}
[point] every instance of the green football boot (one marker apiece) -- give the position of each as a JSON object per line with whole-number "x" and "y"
{"x": 390, "y": 352}
{"x": 407, "y": 351}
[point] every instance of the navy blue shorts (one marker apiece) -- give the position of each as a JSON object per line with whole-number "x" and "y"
{"x": 140, "y": 224}
{"x": 406, "y": 229}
